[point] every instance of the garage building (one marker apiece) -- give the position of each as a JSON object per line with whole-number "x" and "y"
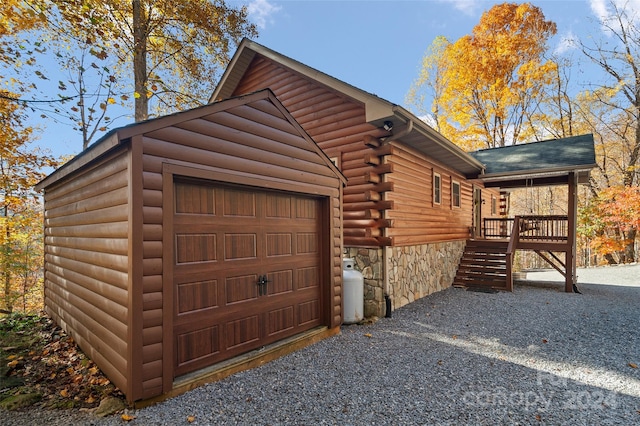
{"x": 177, "y": 243}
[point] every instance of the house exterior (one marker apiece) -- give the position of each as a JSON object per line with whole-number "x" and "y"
{"x": 184, "y": 241}
{"x": 413, "y": 197}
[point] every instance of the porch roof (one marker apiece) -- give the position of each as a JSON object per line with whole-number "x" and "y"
{"x": 538, "y": 163}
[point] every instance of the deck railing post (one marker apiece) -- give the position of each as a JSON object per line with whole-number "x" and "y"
{"x": 511, "y": 249}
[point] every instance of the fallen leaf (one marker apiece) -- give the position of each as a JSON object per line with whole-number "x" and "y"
{"x": 632, "y": 365}
{"x": 454, "y": 337}
{"x": 368, "y": 335}
{"x": 64, "y": 393}
{"x": 545, "y": 341}
{"x": 191, "y": 419}
{"x": 127, "y": 417}
{"x": 12, "y": 363}
{"x": 538, "y": 417}
{"x": 90, "y": 400}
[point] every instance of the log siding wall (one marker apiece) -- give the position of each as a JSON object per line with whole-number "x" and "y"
{"x": 416, "y": 218}
{"x": 86, "y": 262}
{"x": 337, "y": 124}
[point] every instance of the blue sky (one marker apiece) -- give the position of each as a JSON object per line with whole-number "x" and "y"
{"x": 378, "y": 45}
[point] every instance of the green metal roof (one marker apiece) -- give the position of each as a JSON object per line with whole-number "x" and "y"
{"x": 566, "y": 154}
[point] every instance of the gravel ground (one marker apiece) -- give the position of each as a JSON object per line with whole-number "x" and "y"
{"x": 535, "y": 356}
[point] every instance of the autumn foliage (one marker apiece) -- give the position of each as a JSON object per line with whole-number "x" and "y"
{"x": 607, "y": 219}
{"x": 488, "y": 83}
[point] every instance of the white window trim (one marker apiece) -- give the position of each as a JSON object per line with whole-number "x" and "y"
{"x": 437, "y": 189}
{"x": 453, "y": 185}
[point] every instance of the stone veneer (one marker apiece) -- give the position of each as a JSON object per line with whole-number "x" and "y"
{"x": 418, "y": 271}
{"x": 414, "y": 272}
{"x": 369, "y": 263}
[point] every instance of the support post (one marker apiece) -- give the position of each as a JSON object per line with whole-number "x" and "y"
{"x": 572, "y": 213}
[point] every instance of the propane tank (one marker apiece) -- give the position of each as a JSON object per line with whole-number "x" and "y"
{"x": 353, "y": 290}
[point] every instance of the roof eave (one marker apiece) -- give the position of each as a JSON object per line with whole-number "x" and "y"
{"x": 104, "y": 145}
{"x": 552, "y": 171}
{"x": 474, "y": 165}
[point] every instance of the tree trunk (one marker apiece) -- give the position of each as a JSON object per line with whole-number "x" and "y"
{"x": 140, "y": 24}
{"x": 7, "y": 264}
{"x": 629, "y": 250}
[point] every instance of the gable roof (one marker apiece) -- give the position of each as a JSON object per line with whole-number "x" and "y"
{"x": 122, "y": 135}
{"x": 407, "y": 128}
{"x": 554, "y": 157}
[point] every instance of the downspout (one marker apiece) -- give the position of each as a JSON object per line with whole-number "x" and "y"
{"x": 386, "y": 250}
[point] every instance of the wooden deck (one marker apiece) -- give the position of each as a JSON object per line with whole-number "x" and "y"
{"x": 488, "y": 262}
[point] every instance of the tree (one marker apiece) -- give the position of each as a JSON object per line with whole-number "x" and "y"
{"x": 15, "y": 19}
{"x": 618, "y": 56}
{"x": 175, "y": 48}
{"x": 488, "y": 82}
{"x": 21, "y": 167}
{"x": 606, "y": 220}
{"x": 429, "y": 83}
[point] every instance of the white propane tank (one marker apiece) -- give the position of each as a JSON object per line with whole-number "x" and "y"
{"x": 353, "y": 288}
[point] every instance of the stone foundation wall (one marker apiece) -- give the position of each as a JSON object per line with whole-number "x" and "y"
{"x": 414, "y": 272}
{"x": 370, "y": 263}
{"x": 417, "y": 271}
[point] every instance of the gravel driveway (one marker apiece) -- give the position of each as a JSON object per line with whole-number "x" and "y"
{"x": 534, "y": 356}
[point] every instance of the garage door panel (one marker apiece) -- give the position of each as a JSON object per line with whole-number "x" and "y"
{"x": 279, "y": 244}
{"x": 307, "y": 242}
{"x": 278, "y": 206}
{"x": 241, "y": 288}
{"x": 280, "y": 320}
{"x": 280, "y": 282}
{"x": 200, "y": 247}
{"x": 308, "y": 277}
{"x": 306, "y": 208}
{"x": 309, "y": 312}
{"x": 195, "y": 198}
{"x": 239, "y": 203}
{"x": 242, "y": 331}
{"x": 194, "y": 296}
{"x": 240, "y": 246}
{"x": 198, "y": 344}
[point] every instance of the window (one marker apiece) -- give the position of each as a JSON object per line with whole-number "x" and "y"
{"x": 437, "y": 188}
{"x": 494, "y": 205}
{"x": 455, "y": 194}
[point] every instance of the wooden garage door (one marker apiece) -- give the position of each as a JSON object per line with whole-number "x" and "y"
{"x": 247, "y": 270}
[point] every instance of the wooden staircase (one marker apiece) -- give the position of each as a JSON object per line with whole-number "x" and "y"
{"x": 483, "y": 265}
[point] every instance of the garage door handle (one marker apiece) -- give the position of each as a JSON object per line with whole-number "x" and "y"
{"x": 262, "y": 285}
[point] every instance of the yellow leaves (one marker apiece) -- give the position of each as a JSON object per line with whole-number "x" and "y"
{"x": 368, "y": 335}
{"x": 633, "y": 365}
{"x": 191, "y": 419}
{"x": 127, "y": 417}
{"x": 111, "y": 101}
{"x": 64, "y": 393}
{"x": 486, "y": 80}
